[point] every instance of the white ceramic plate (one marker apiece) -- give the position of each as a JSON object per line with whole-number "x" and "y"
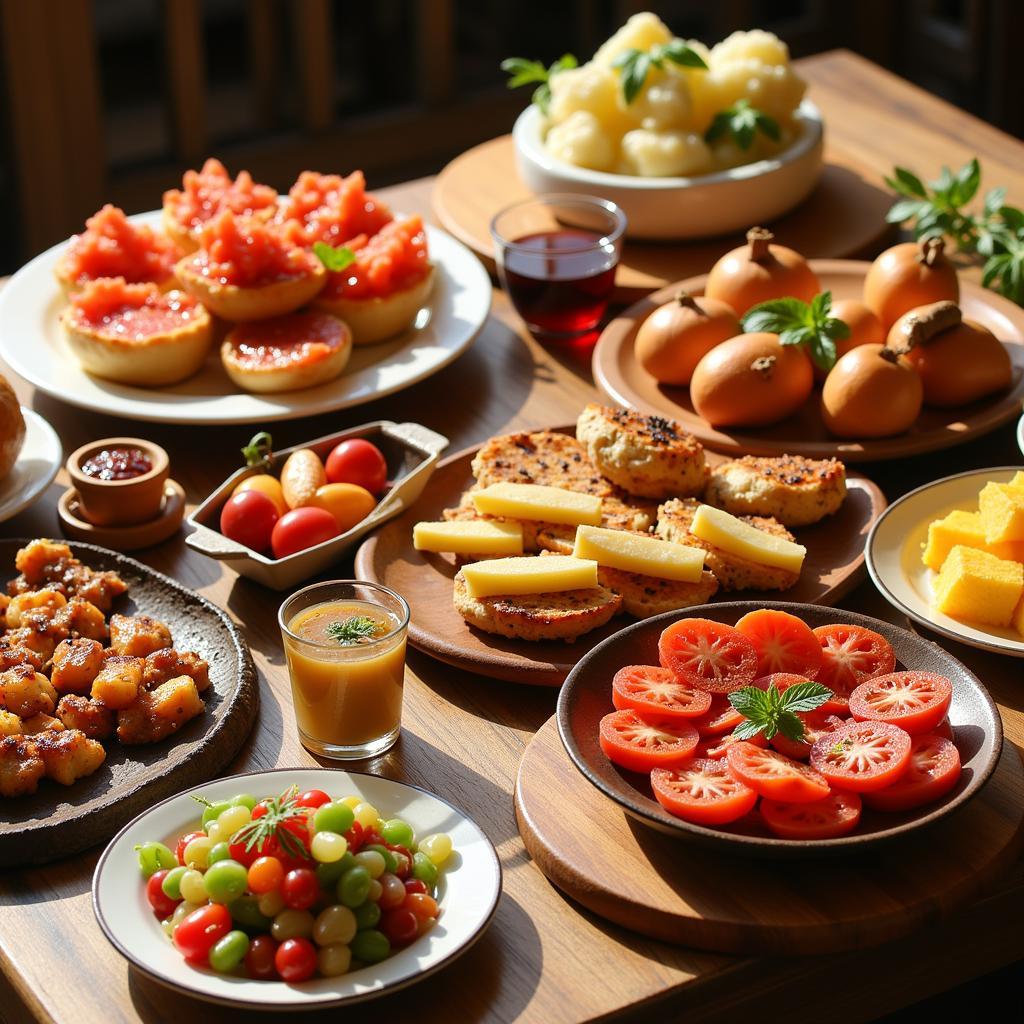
{"x": 32, "y": 342}
{"x": 893, "y": 555}
{"x": 468, "y": 893}
{"x": 37, "y": 465}
{"x": 1020, "y": 434}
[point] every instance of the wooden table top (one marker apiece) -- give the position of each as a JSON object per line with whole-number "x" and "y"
{"x": 542, "y": 959}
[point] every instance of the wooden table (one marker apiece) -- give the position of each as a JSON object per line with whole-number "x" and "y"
{"x": 542, "y": 958}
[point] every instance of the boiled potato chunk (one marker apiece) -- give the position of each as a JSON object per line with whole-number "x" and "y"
{"x": 579, "y": 140}
{"x": 641, "y": 32}
{"x": 654, "y": 154}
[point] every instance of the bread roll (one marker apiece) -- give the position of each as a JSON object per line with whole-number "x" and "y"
{"x": 12, "y": 427}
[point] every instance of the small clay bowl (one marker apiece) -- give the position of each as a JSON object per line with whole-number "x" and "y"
{"x": 120, "y": 502}
{"x": 124, "y": 538}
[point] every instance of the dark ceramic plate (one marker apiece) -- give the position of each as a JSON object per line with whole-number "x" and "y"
{"x": 58, "y": 821}
{"x": 586, "y": 698}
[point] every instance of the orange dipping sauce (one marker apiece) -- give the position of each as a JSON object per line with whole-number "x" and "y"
{"x": 296, "y": 339}
{"x": 391, "y": 261}
{"x": 113, "y": 307}
{"x": 208, "y": 192}
{"x": 332, "y": 209}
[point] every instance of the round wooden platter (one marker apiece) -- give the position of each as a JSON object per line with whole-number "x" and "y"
{"x": 58, "y": 821}
{"x": 834, "y": 563}
{"x": 843, "y": 216}
{"x": 653, "y": 884}
{"x": 621, "y": 378}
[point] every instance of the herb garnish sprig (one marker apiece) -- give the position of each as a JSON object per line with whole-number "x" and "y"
{"x": 771, "y": 712}
{"x": 635, "y": 64}
{"x": 527, "y": 72}
{"x": 334, "y": 258}
{"x": 742, "y": 121}
{"x": 273, "y": 825}
{"x": 259, "y": 450}
{"x": 801, "y": 323}
{"x": 359, "y": 629}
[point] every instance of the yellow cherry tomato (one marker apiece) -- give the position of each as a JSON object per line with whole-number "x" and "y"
{"x": 348, "y": 503}
{"x": 265, "y": 484}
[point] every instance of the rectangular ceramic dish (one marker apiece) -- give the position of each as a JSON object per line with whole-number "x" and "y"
{"x": 411, "y": 451}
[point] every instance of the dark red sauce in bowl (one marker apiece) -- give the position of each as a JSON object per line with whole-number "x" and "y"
{"x": 117, "y": 464}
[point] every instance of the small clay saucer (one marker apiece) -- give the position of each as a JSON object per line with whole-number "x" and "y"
{"x": 124, "y": 538}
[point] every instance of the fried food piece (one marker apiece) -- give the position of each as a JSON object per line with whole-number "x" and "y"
{"x": 69, "y": 755}
{"x": 543, "y": 457}
{"x": 35, "y": 608}
{"x": 10, "y": 724}
{"x": 158, "y": 713}
{"x": 118, "y": 682}
{"x": 4, "y": 602}
{"x": 648, "y": 456}
{"x": 45, "y": 563}
{"x": 561, "y": 616}
{"x": 76, "y": 663}
{"x": 96, "y": 720}
{"x": 21, "y": 766}
{"x": 41, "y": 643}
{"x": 12, "y": 654}
{"x": 792, "y": 489}
{"x": 26, "y": 692}
{"x": 169, "y": 663}
{"x": 644, "y": 596}
{"x": 81, "y": 618}
{"x": 36, "y": 561}
{"x": 138, "y": 635}
{"x": 632, "y": 516}
{"x": 41, "y": 723}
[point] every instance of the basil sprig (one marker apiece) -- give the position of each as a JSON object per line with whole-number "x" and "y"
{"x": 526, "y": 72}
{"x": 771, "y": 712}
{"x": 742, "y": 121}
{"x": 634, "y": 64}
{"x": 334, "y": 258}
{"x": 801, "y": 323}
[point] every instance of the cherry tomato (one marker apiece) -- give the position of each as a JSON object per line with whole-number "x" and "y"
{"x": 300, "y": 889}
{"x": 708, "y": 655}
{"x": 702, "y": 791}
{"x": 348, "y": 503}
{"x": 259, "y": 960}
{"x": 862, "y": 756}
{"x": 850, "y": 656}
{"x": 415, "y": 885}
{"x": 933, "y": 771}
{"x": 775, "y": 776}
{"x": 356, "y": 461}
{"x": 179, "y": 850}
{"x": 265, "y": 484}
{"x": 421, "y": 904}
{"x": 653, "y": 690}
{"x": 312, "y": 798}
{"x": 300, "y": 529}
{"x": 784, "y": 680}
{"x": 249, "y": 518}
{"x": 915, "y": 701}
{"x": 295, "y": 960}
{"x": 400, "y": 926}
{"x": 161, "y": 903}
{"x": 720, "y": 717}
{"x": 197, "y": 932}
{"x": 783, "y": 642}
{"x": 716, "y": 746}
{"x": 835, "y": 815}
{"x": 630, "y": 742}
{"x": 271, "y": 847}
{"x": 816, "y": 724}
{"x": 356, "y": 837}
{"x": 265, "y": 875}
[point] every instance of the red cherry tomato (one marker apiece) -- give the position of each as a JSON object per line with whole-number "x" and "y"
{"x": 421, "y": 905}
{"x": 357, "y": 462}
{"x": 775, "y": 776}
{"x": 708, "y": 655}
{"x": 302, "y": 528}
{"x": 834, "y": 816}
{"x": 295, "y": 960}
{"x": 197, "y": 932}
{"x": 639, "y": 745}
{"x": 248, "y": 518}
{"x": 862, "y": 756}
{"x": 179, "y": 850}
{"x": 851, "y": 655}
{"x": 300, "y": 889}
{"x": 784, "y": 643}
{"x": 653, "y": 690}
{"x": 312, "y": 798}
{"x": 933, "y": 771}
{"x": 161, "y": 903}
{"x": 703, "y": 791}
{"x": 259, "y": 960}
{"x": 356, "y": 837}
{"x": 416, "y": 885}
{"x": 915, "y": 701}
{"x": 400, "y": 925}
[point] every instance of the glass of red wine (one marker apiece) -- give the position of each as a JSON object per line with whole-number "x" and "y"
{"x": 556, "y": 256}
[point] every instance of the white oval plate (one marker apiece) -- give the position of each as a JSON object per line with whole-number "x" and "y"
{"x": 32, "y": 342}
{"x": 893, "y": 555}
{"x": 1020, "y": 434}
{"x": 468, "y": 894}
{"x": 38, "y": 461}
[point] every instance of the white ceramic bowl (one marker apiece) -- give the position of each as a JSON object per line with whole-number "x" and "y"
{"x": 676, "y": 208}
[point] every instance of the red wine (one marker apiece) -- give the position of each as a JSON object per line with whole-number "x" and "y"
{"x": 560, "y": 281}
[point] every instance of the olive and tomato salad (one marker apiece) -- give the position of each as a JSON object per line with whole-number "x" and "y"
{"x": 769, "y": 717}
{"x": 295, "y": 886}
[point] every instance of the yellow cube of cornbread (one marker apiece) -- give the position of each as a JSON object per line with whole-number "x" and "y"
{"x": 965, "y": 528}
{"x": 979, "y": 587}
{"x": 730, "y": 534}
{"x": 1018, "y": 617}
{"x": 469, "y": 537}
{"x": 632, "y": 552}
{"x": 1002, "y": 512}
{"x": 510, "y": 576}
{"x": 1018, "y": 480}
{"x": 535, "y": 501}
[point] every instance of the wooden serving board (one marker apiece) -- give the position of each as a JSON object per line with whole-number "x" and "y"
{"x": 653, "y": 884}
{"x": 58, "y": 821}
{"x": 843, "y": 216}
{"x": 618, "y": 374}
{"x": 834, "y": 563}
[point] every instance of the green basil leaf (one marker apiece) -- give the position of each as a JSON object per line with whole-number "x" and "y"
{"x": 681, "y": 53}
{"x": 769, "y": 126}
{"x": 944, "y": 182}
{"x": 805, "y": 696}
{"x": 906, "y": 183}
{"x": 791, "y": 727}
{"x": 747, "y": 730}
{"x": 775, "y": 315}
{"x": 835, "y": 328}
{"x": 633, "y": 76}
{"x": 523, "y": 71}
{"x": 994, "y": 199}
{"x": 626, "y": 57}
{"x": 718, "y": 127}
{"x": 968, "y": 179}
{"x": 566, "y": 62}
{"x": 542, "y": 97}
{"x": 823, "y": 352}
{"x": 750, "y": 701}
{"x": 332, "y": 258}
{"x": 1013, "y": 218}
{"x": 795, "y": 336}
{"x": 820, "y": 305}
{"x": 904, "y": 209}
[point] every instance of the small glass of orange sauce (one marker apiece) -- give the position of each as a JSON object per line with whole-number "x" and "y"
{"x": 345, "y": 645}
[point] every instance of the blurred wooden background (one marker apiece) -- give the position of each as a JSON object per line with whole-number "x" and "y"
{"x": 109, "y": 100}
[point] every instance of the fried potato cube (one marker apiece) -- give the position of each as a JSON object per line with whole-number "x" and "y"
{"x": 4, "y": 602}
{"x": 160, "y": 712}
{"x": 81, "y": 618}
{"x": 76, "y": 663}
{"x": 12, "y": 654}
{"x": 10, "y": 724}
{"x": 26, "y": 692}
{"x": 43, "y": 643}
{"x": 41, "y": 723}
{"x": 117, "y": 684}
{"x": 33, "y": 559}
{"x": 169, "y": 663}
{"x": 138, "y": 635}
{"x": 34, "y": 608}
{"x": 69, "y": 755}
{"x": 21, "y": 766}
{"x": 177, "y": 700}
{"x": 96, "y": 720}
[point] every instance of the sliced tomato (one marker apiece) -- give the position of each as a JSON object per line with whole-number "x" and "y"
{"x": 720, "y": 717}
{"x": 784, "y": 680}
{"x": 915, "y": 701}
{"x": 816, "y": 724}
{"x": 716, "y": 746}
{"x": 934, "y": 769}
{"x": 771, "y": 774}
{"x": 850, "y": 656}
{"x": 631, "y": 742}
{"x": 708, "y": 655}
{"x": 945, "y": 730}
{"x": 703, "y": 791}
{"x": 784, "y": 643}
{"x": 834, "y": 816}
{"x": 862, "y": 756}
{"x": 653, "y": 690}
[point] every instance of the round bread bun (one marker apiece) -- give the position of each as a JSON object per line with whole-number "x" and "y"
{"x": 71, "y": 287}
{"x": 12, "y": 428}
{"x": 378, "y": 319}
{"x": 287, "y": 353}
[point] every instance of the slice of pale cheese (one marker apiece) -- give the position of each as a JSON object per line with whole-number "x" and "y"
{"x": 469, "y": 537}
{"x": 534, "y": 501}
{"x": 632, "y": 552}
{"x": 530, "y": 575}
{"x": 739, "y": 538}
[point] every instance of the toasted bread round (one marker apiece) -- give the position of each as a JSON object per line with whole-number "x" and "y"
{"x": 544, "y": 457}
{"x": 616, "y": 514}
{"x": 644, "y": 596}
